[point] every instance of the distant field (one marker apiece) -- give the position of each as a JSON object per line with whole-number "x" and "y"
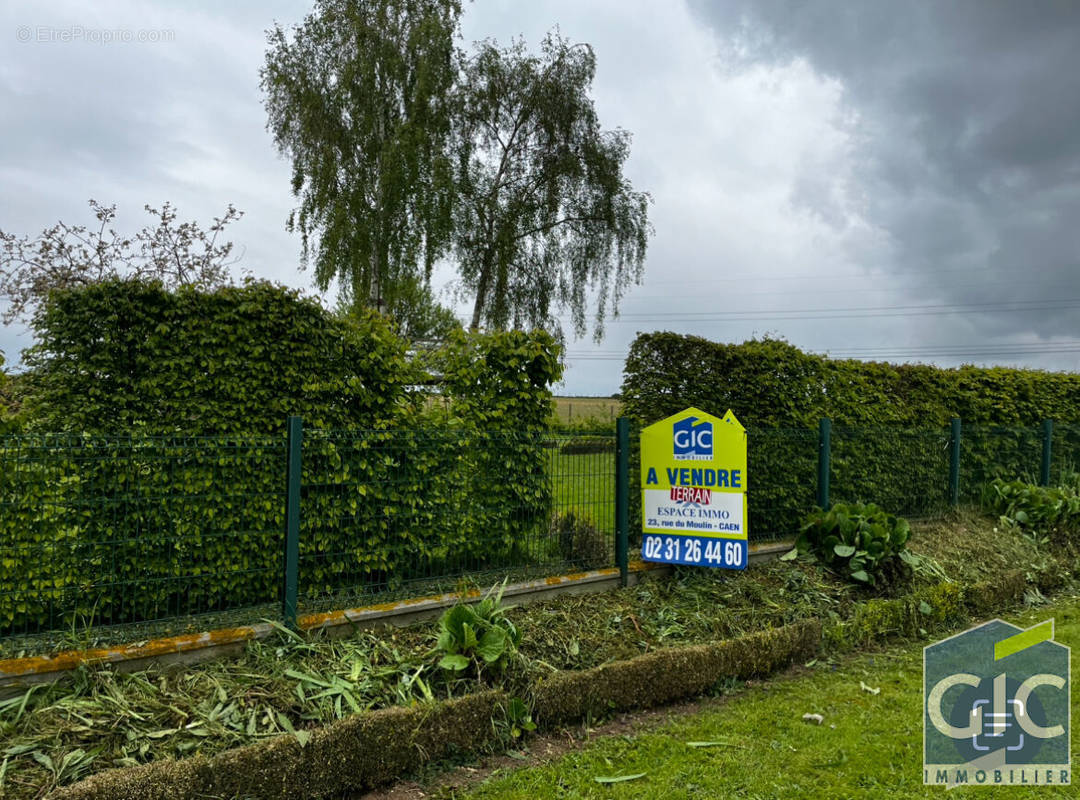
{"x": 571, "y": 409}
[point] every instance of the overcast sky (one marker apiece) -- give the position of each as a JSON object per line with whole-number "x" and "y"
{"x": 897, "y": 180}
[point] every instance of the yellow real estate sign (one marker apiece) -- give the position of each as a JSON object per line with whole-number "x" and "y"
{"x": 693, "y": 490}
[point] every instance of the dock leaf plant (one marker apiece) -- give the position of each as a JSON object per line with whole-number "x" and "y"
{"x": 858, "y": 541}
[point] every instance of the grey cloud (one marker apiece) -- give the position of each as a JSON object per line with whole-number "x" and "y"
{"x": 969, "y": 131}
{"x": 956, "y": 150}
{"x": 177, "y": 120}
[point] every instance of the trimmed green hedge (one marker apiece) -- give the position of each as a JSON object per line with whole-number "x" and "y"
{"x": 99, "y": 530}
{"x": 671, "y": 674}
{"x": 357, "y": 753}
{"x": 167, "y": 497}
{"x": 890, "y": 431}
{"x": 374, "y": 748}
{"x": 770, "y": 383}
{"x": 9, "y": 406}
{"x": 131, "y": 356}
{"x": 499, "y": 385}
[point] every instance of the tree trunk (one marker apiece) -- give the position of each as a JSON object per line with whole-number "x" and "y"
{"x": 481, "y": 294}
{"x": 478, "y": 304}
{"x": 373, "y": 291}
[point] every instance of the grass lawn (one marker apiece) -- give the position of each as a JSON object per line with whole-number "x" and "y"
{"x": 870, "y": 745}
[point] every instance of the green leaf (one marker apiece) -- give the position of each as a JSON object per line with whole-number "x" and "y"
{"x": 620, "y": 778}
{"x": 861, "y": 575}
{"x": 790, "y": 555}
{"x": 925, "y": 608}
{"x": 469, "y": 636}
{"x": 717, "y": 743}
{"x": 454, "y": 622}
{"x": 900, "y": 533}
{"x": 492, "y": 645}
{"x": 454, "y": 662}
{"x": 446, "y": 642}
{"x": 516, "y": 709}
{"x": 844, "y": 550}
{"x": 305, "y": 678}
{"x": 302, "y": 737}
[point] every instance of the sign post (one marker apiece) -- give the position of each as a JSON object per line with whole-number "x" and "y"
{"x": 693, "y": 491}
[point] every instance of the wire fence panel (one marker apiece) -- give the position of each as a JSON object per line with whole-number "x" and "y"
{"x": 905, "y": 471}
{"x": 782, "y": 475}
{"x": 988, "y": 452}
{"x": 389, "y": 513}
{"x": 98, "y": 531}
{"x": 1065, "y": 453}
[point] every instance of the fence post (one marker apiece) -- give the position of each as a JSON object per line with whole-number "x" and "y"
{"x": 824, "y": 463}
{"x": 1048, "y": 437}
{"x": 954, "y": 462}
{"x": 622, "y": 497}
{"x": 292, "y": 518}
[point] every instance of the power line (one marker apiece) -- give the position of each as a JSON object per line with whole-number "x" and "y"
{"x": 1021, "y": 348}
{"x": 856, "y": 312}
{"x": 822, "y": 276}
{"x": 993, "y": 305}
{"x": 730, "y": 291}
{"x": 898, "y": 352}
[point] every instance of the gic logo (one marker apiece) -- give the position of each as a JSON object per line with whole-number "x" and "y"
{"x": 996, "y": 707}
{"x": 693, "y": 442}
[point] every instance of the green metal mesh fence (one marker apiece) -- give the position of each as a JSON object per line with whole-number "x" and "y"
{"x": 106, "y": 531}
{"x": 114, "y": 531}
{"x": 781, "y": 480}
{"x": 996, "y": 452}
{"x": 97, "y": 531}
{"x": 1065, "y": 453}
{"x": 389, "y": 513}
{"x": 903, "y": 470}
